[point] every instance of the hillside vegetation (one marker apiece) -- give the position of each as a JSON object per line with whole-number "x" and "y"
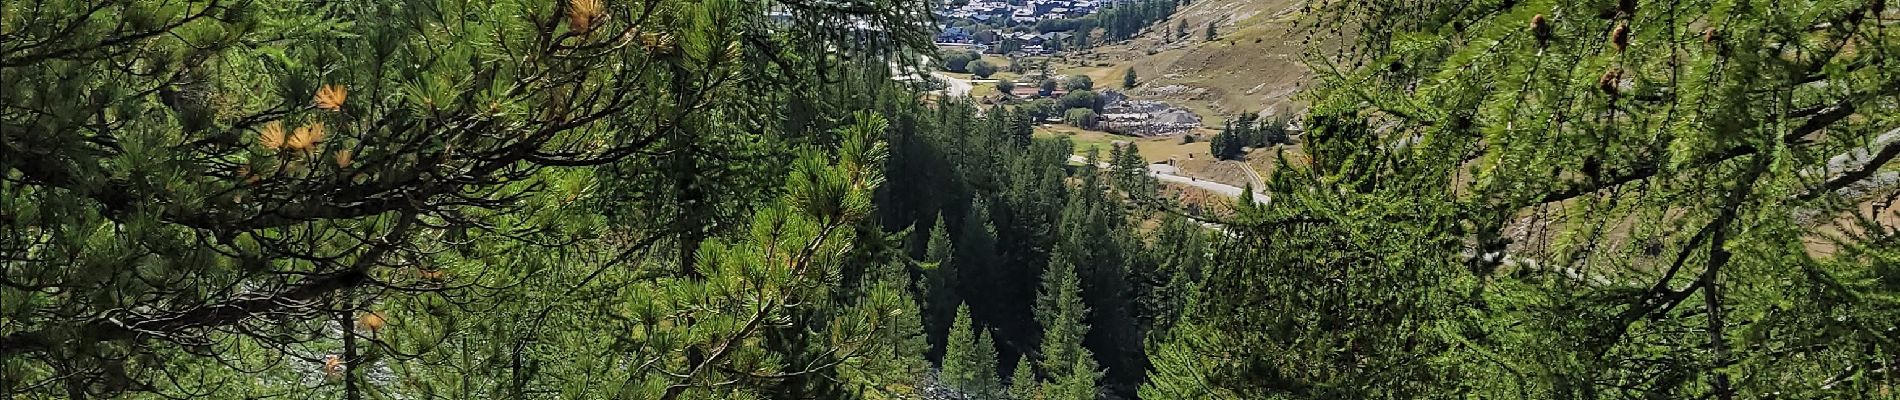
{"x": 1252, "y": 65}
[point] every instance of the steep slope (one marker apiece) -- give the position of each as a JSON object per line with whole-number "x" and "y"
{"x": 1252, "y": 65}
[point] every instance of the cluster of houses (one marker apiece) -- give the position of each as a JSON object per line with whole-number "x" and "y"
{"x": 985, "y": 41}
{"x": 1002, "y": 13}
{"x": 991, "y": 19}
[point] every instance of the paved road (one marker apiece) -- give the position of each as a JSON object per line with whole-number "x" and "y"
{"x": 952, "y": 86}
{"x": 1164, "y": 172}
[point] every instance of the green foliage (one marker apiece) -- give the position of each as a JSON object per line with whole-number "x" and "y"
{"x": 1079, "y": 82}
{"x": 1086, "y": 99}
{"x": 1183, "y": 362}
{"x": 959, "y": 61}
{"x": 1565, "y": 200}
{"x": 1078, "y": 384}
{"x": 1071, "y": 369}
{"x": 1022, "y": 383}
{"x": 244, "y": 199}
{"x": 1124, "y": 19}
{"x": 985, "y": 383}
{"x": 1248, "y": 130}
{"x": 981, "y": 68}
{"x": 1059, "y": 307}
{"x": 1008, "y": 193}
{"x": 1129, "y": 174}
{"x": 940, "y": 282}
{"x": 969, "y": 365}
{"x": 1081, "y": 118}
{"x": 1128, "y": 78}
{"x": 1039, "y": 109}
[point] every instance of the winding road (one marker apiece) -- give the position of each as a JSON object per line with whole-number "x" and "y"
{"x": 1167, "y": 173}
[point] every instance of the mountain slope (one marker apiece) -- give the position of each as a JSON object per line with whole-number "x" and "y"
{"x": 1252, "y": 65}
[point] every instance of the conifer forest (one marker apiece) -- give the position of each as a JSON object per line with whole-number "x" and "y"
{"x": 780, "y": 199}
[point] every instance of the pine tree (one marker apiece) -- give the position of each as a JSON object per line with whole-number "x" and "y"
{"x": 970, "y": 359}
{"x": 323, "y": 223}
{"x": 1131, "y": 173}
{"x": 1181, "y": 366}
{"x": 1078, "y": 384}
{"x": 1022, "y": 383}
{"x": 1128, "y": 78}
{"x": 940, "y": 285}
{"x": 1071, "y": 368}
{"x": 985, "y": 383}
{"x": 960, "y": 366}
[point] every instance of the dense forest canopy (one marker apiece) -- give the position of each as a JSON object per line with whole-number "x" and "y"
{"x": 719, "y": 199}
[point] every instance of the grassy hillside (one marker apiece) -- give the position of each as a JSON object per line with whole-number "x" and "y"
{"x": 1252, "y": 65}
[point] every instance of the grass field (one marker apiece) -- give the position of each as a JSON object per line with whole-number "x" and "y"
{"x": 1154, "y": 149}
{"x": 1193, "y": 159}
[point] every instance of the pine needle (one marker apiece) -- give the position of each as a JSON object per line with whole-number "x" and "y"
{"x": 330, "y": 97}
{"x": 306, "y": 137}
{"x": 272, "y": 136}
{"x": 582, "y": 15}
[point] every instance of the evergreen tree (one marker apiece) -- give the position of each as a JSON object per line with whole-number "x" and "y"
{"x": 1181, "y": 247}
{"x": 1131, "y": 173}
{"x": 985, "y": 383}
{"x": 1679, "y": 151}
{"x": 1228, "y": 144}
{"x": 1128, "y": 78}
{"x": 970, "y": 359}
{"x": 1060, "y": 307}
{"x": 1183, "y": 363}
{"x": 940, "y": 278}
{"x": 960, "y": 364}
{"x": 247, "y": 195}
{"x": 1078, "y": 384}
{"x": 1022, "y": 383}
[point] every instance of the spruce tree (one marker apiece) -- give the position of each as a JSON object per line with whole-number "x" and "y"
{"x": 1078, "y": 384}
{"x": 985, "y": 384}
{"x": 1022, "y": 383}
{"x": 940, "y": 285}
{"x": 970, "y": 359}
{"x": 1071, "y": 368}
{"x": 960, "y": 364}
{"x": 1128, "y": 78}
